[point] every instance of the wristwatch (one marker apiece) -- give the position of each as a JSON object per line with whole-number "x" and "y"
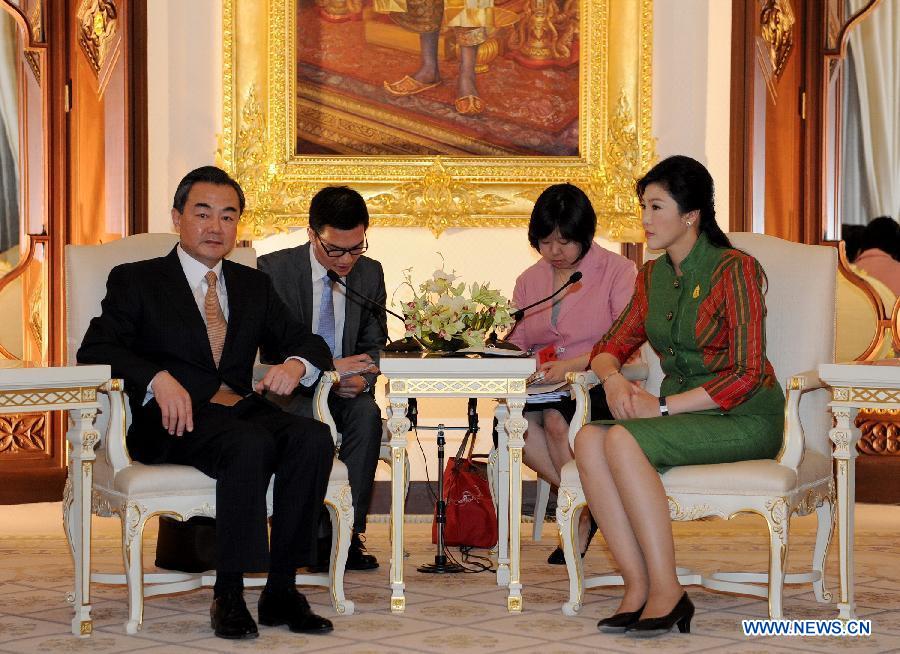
{"x": 663, "y": 406}
{"x": 366, "y": 387}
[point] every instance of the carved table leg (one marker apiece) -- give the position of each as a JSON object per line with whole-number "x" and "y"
{"x": 502, "y": 490}
{"x": 398, "y": 426}
{"x": 845, "y": 436}
{"x": 515, "y": 427}
{"x": 82, "y": 439}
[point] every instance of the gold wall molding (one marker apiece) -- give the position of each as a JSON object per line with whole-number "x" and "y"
{"x": 260, "y": 107}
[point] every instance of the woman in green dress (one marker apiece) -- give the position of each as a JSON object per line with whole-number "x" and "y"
{"x": 701, "y": 307}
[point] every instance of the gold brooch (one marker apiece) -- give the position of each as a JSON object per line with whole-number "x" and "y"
{"x": 696, "y": 291}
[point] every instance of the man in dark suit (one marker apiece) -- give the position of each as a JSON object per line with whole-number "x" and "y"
{"x": 353, "y": 328}
{"x": 183, "y": 331}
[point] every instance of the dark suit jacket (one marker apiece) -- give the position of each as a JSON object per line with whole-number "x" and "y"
{"x": 150, "y": 322}
{"x": 365, "y": 331}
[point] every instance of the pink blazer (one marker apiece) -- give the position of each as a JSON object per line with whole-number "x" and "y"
{"x": 588, "y": 307}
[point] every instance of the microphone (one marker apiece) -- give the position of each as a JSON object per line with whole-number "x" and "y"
{"x": 518, "y": 314}
{"x": 406, "y": 344}
{"x": 574, "y": 278}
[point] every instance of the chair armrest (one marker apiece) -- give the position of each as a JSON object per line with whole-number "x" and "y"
{"x": 259, "y": 371}
{"x": 321, "y": 412}
{"x": 116, "y": 428}
{"x": 635, "y": 371}
{"x": 794, "y": 439}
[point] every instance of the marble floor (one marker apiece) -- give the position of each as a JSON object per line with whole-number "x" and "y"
{"x": 458, "y": 613}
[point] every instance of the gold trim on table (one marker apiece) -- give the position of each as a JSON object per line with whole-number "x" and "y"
{"x": 18, "y": 399}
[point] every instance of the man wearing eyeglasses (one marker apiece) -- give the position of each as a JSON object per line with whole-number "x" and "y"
{"x": 354, "y": 330}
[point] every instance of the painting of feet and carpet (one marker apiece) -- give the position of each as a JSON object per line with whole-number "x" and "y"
{"x": 437, "y": 77}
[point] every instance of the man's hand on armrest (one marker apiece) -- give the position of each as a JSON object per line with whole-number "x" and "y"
{"x": 174, "y": 403}
{"x": 283, "y": 378}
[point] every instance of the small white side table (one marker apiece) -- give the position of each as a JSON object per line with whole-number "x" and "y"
{"x": 502, "y": 378}
{"x": 854, "y": 386}
{"x": 26, "y": 388}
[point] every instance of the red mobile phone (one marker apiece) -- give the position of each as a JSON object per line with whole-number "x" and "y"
{"x": 546, "y": 354}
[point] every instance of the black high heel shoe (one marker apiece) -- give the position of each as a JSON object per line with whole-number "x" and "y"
{"x": 651, "y": 627}
{"x": 558, "y": 557}
{"x": 620, "y": 622}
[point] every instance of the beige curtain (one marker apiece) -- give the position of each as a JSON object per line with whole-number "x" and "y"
{"x": 871, "y": 143}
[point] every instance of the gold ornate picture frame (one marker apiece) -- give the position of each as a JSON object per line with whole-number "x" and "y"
{"x": 437, "y": 192}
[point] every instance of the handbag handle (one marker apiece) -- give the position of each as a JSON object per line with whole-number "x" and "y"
{"x": 471, "y": 431}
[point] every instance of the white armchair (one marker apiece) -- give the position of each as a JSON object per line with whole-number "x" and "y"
{"x": 136, "y": 492}
{"x": 800, "y": 335}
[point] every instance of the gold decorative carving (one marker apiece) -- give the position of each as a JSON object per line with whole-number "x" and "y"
{"x": 778, "y": 515}
{"x": 490, "y": 387}
{"x": 777, "y": 29}
{"x": 514, "y": 604}
{"x": 261, "y": 108}
{"x": 567, "y": 502}
{"x": 36, "y": 315}
{"x": 840, "y": 394}
{"x": 398, "y": 604}
{"x": 18, "y": 399}
{"x": 687, "y": 514}
{"x": 86, "y": 628}
{"x": 875, "y": 395}
{"x": 437, "y": 201}
{"x": 31, "y": 58}
{"x": 98, "y": 36}
{"x": 26, "y": 432}
{"x": 36, "y": 20}
{"x": 612, "y": 185}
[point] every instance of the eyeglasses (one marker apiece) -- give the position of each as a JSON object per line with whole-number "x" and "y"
{"x": 336, "y": 252}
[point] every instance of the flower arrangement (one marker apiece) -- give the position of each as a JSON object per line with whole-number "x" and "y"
{"x": 441, "y": 316}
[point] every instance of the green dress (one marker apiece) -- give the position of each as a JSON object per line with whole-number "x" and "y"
{"x": 708, "y": 328}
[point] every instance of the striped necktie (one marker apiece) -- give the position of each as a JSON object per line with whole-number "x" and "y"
{"x": 326, "y": 313}
{"x": 216, "y": 325}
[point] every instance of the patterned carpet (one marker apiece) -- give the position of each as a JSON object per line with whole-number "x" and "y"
{"x": 460, "y": 613}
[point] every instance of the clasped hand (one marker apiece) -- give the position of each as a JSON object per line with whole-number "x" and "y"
{"x": 283, "y": 378}
{"x": 627, "y": 400}
{"x": 352, "y": 384}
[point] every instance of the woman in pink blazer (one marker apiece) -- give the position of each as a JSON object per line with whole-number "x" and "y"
{"x": 562, "y": 230}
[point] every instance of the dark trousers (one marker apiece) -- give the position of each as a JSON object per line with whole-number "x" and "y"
{"x": 241, "y": 447}
{"x": 358, "y": 419}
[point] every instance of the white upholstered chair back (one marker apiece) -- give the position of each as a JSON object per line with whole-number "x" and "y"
{"x": 800, "y": 299}
{"x": 88, "y": 266}
{"x": 87, "y": 269}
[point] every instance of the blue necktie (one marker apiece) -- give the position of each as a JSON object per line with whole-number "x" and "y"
{"x": 326, "y": 313}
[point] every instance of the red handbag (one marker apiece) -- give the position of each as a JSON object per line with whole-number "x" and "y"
{"x": 471, "y": 518}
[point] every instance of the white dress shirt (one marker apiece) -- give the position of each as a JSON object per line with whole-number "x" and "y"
{"x": 339, "y": 296}
{"x": 195, "y": 273}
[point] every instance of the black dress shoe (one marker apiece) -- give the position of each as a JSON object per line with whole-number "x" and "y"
{"x": 230, "y": 618}
{"x": 558, "y": 557}
{"x": 289, "y": 607}
{"x": 620, "y": 622}
{"x": 651, "y": 627}
{"x": 357, "y": 556}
